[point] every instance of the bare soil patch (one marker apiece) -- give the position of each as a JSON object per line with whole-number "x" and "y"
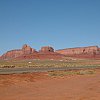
{"x": 42, "y": 86}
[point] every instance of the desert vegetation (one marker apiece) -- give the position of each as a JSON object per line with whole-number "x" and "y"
{"x": 49, "y": 63}
{"x": 65, "y": 73}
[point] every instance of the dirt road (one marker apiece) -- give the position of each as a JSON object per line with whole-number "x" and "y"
{"x": 42, "y": 69}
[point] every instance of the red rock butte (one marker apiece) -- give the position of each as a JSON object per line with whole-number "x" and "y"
{"x": 27, "y": 52}
{"x": 47, "y": 52}
{"x": 83, "y": 52}
{"x": 46, "y": 49}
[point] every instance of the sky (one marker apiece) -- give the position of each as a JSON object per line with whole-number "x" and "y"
{"x": 57, "y": 23}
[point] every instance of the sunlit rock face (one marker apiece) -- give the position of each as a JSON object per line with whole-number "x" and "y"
{"x": 80, "y": 50}
{"x": 27, "y": 52}
{"x": 47, "y": 52}
{"x": 12, "y": 54}
{"x": 19, "y": 52}
{"x": 27, "y": 49}
{"x": 47, "y": 49}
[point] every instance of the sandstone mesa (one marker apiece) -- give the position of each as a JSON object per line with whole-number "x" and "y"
{"x": 47, "y": 52}
{"x": 26, "y": 52}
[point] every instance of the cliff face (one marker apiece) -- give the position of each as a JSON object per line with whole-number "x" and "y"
{"x": 48, "y": 53}
{"x": 16, "y": 53}
{"x": 12, "y": 54}
{"x": 29, "y": 53}
{"x": 46, "y": 49}
{"x": 27, "y": 49}
{"x": 82, "y": 50}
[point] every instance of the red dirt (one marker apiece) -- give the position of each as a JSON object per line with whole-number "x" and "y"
{"x": 41, "y": 55}
{"x": 40, "y": 86}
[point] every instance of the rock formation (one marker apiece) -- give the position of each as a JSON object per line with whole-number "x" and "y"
{"x": 47, "y": 49}
{"x": 48, "y": 52}
{"x": 27, "y": 49}
{"x": 19, "y": 52}
{"x": 12, "y": 54}
{"x": 81, "y": 52}
{"x": 29, "y": 53}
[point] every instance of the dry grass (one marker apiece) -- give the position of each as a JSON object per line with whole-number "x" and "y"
{"x": 64, "y": 73}
{"x": 49, "y": 63}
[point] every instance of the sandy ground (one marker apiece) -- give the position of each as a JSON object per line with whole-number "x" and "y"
{"x": 40, "y": 86}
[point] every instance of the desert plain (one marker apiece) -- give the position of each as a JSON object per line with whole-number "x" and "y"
{"x": 60, "y": 85}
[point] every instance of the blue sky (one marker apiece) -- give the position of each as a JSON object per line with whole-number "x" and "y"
{"x": 58, "y": 23}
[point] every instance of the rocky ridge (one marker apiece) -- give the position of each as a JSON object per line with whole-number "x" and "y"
{"x": 47, "y": 52}
{"x": 27, "y": 52}
{"x": 82, "y": 52}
